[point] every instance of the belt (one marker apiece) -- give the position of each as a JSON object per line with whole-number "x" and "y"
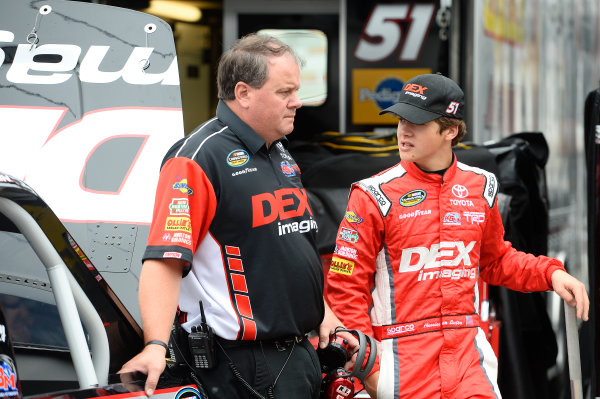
{"x": 280, "y": 344}
{"x": 426, "y": 325}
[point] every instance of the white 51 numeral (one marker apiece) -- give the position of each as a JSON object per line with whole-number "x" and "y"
{"x": 382, "y": 33}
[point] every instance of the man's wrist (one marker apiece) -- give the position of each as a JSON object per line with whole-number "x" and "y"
{"x": 157, "y": 342}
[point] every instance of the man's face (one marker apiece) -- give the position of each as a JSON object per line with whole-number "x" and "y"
{"x": 273, "y": 106}
{"x": 425, "y": 145}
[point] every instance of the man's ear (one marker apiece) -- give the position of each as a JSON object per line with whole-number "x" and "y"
{"x": 451, "y": 132}
{"x": 242, "y": 94}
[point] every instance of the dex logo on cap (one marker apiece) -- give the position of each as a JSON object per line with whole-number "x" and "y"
{"x": 415, "y": 88}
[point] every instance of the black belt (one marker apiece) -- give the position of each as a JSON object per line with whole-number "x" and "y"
{"x": 280, "y": 344}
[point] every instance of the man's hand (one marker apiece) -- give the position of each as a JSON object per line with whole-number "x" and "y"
{"x": 151, "y": 361}
{"x": 572, "y": 291}
{"x": 327, "y": 328}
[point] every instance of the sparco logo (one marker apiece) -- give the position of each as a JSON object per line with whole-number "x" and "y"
{"x": 459, "y": 191}
{"x": 400, "y": 329}
{"x": 25, "y": 68}
{"x": 377, "y": 194}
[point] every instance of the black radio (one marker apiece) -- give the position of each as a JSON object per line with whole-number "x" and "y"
{"x": 201, "y": 342}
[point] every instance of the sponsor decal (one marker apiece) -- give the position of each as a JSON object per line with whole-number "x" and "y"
{"x": 474, "y": 217}
{"x": 182, "y": 238}
{"x": 280, "y": 205}
{"x": 352, "y": 218}
{"x": 297, "y": 227}
{"x": 6, "y": 179}
{"x": 176, "y": 255}
{"x": 244, "y": 171}
{"x": 289, "y": 170}
{"x": 413, "y": 198}
{"x": 414, "y": 214}
{"x": 469, "y": 321}
{"x": 348, "y": 235}
{"x": 461, "y": 202}
{"x": 8, "y": 380}
{"x": 346, "y": 252}
{"x": 237, "y": 158}
{"x": 178, "y": 224}
{"x": 188, "y": 393}
{"x": 444, "y": 254}
{"x": 166, "y": 237}
{"x": 378, "y": 195}
{"x": 341, "y": 266}
{"x": 400, "y": 329}
{"x": 374, "y": 89}
{"x": 182, "y": 186}
{"x": 451, "y": 219}
{"x": 491, "y": 189}
{"x": 415, "y": 90}
{"x": 459, "y": 191}
{"x": 179, "y": 207}
{"x": 27, "y": 58}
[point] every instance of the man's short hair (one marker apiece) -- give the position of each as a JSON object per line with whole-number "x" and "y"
{"x": 445, "y": 122}
{"x": 247, "y": 61}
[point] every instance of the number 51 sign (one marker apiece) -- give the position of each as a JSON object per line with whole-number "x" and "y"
{"x": 388, "y": 43}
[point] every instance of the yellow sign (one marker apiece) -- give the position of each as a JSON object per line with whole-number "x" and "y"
{"x": 377, "y": 89}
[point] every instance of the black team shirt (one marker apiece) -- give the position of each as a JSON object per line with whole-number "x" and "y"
{"x": 238, "y": 214}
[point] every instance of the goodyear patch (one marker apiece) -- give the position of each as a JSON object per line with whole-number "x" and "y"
{"x": 237, "y": 158}
{"x": 348, "y": 235}
{"x": 341, "y": 266}
{"x": 413, "y": 198}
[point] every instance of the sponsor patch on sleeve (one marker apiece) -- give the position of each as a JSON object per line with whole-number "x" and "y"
{"x": 348, "y": 235}
{"x": 341, "y": 266}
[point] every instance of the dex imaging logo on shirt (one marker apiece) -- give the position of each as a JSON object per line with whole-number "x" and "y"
{"x": 445, "y": 254}
{"x": 281, "y": 205}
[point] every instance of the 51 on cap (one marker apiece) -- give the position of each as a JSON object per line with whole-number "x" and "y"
{"x": 427, "y": 97}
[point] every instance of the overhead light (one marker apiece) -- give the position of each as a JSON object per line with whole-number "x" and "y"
{"x": 177, "y": 10}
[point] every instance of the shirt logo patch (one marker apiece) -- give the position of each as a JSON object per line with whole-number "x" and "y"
{"x": 237, "y": 158}
{"x": 182, "y": 186}
{"x": 348, "y": 235}
{"x": 353, "y": 218}
{"x": 413, "y": 198}
{"x": 452, "y": 219}
{"x": 341, "y": 266}
{"x": 179, "y": 207}
{"x": 346, "y": 252}
{"x": 459, "y": 191}
{"x": 288, "y": 169}
{"x": 474, "y": 217}
{"x": 178, "y": 224}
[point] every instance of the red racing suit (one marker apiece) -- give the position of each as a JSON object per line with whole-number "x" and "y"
{"x": 408, "y": 255}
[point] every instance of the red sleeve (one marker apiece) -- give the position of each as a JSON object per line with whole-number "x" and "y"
{"x": 184, "y": 207}
{"x": 351, "y": 274}
{"x": 503, "y": 265}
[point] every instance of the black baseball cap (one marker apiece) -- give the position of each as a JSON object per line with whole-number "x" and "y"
{"x": 427, "y": 97}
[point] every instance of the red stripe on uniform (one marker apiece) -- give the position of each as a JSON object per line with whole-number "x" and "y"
{"x": 235, "y": 264}
{"x": 239, "y": 282}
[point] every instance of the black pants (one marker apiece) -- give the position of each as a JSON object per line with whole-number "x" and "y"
{"x": 260, "y": 364}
